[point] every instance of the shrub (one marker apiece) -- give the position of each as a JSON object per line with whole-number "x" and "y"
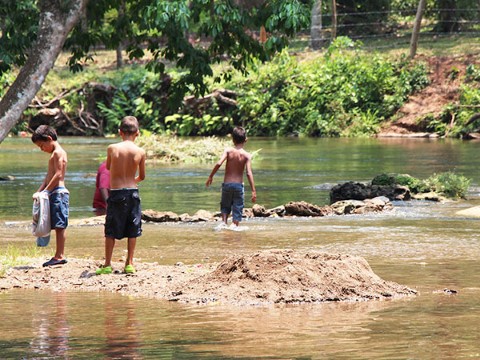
{"x": 450, "y": 184}
{"x": 346, "y": 92}
{"x": 447, "y": 184}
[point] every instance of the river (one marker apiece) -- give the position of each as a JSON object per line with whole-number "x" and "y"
{"x": 423, "y": 245}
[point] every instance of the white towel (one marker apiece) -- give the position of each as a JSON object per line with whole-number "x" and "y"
{"x": 41, "y": 214}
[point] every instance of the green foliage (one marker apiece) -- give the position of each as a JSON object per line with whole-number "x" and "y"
{"x": 447, "y": 184}
{"x": 169, "y": 30}
{"x": 18, "y": 28}
{"x": 450, "y": 184}
{"x": 115, "y": 112}
{"x": 472, "y": 73}
{"x": 415, "y": 185}
{"x": 453, "y": 121}
{"x": 347, "y": 92}
{"x": 6, "y": 79}
{"x": 364, "y": 124}
{"x": 384, "y": 179}
{"x": 188, "y": 125}
{"x": 433, "y": 124}
{"x": 344, "y": 93}
{"x": 141, "y": 93}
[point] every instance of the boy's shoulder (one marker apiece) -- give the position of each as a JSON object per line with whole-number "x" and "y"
{"x": 59, "y": 149}
{"x": 126, "y": 146}
{"x": 236, "y": 152}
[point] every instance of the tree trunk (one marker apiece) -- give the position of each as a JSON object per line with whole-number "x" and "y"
{"x": 334, "y": 19}
{"x": 118, "y": 52}
{"x": 57, "y": 18}
{"x": 316, "y": 37}
{"x": 119, "y": 49}
{"x": 416, "y": 28}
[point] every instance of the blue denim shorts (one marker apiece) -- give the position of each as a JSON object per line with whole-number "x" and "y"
{"x": 124, "y": 214}
{"x": 59, "y": 207}
{"x": 232, "y": 200}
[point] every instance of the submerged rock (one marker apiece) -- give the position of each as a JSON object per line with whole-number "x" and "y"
{"x": 160, "y": 216}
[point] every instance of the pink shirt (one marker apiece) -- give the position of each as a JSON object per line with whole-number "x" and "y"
{"x": 102, "y": 182}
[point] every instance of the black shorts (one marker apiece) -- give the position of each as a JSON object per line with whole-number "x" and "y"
{"x": 124, "y": 214}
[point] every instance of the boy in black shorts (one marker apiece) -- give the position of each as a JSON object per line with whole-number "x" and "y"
{"x": 124, "y": 215}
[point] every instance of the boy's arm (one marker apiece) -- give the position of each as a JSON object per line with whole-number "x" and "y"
{"x": 44, "y": 183}
{"x": 108, "y": 162}
{"x": 216, "y": 167}
{"x": 250, "y": 179}
{"x": 141, "y": 169}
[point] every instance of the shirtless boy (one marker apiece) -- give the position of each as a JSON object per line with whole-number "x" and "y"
{"x": 238, "y": 162}
{"x": 45, "y": 138}
{"x": 126, "y": 162}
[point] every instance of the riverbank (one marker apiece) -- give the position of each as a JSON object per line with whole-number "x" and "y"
{"x": 262, "y": 278}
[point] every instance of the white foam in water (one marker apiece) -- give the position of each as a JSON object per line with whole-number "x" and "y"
{"x": 231, "y": 227}
{"x": 234, "y": 227}
{"x": 220, "y": 227}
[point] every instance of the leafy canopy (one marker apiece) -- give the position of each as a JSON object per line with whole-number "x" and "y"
{"x": 190, "y": 34}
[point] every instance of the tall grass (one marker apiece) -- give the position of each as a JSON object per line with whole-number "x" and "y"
{"x": 172, "y": 149}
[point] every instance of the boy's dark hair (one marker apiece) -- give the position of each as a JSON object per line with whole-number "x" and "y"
{"x": 43, "y": 132}
{"x": 129, "y": 125}
{"x": 239, "y": 135}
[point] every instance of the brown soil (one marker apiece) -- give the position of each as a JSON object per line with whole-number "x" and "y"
{"x": 266, "y": 277}
{"x": 446, "y": 76}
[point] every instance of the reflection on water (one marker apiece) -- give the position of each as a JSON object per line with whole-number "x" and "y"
{"x": 422, "y": 245}
{"x": 71, "y": 325}
{"x": 52, "y": 329}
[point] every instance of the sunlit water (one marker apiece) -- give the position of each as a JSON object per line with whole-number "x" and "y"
{"x": 423, "y": 245}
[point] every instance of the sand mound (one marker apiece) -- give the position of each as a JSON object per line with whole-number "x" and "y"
{"x": 266, "y": 277}
{"x": 284, "y": 276}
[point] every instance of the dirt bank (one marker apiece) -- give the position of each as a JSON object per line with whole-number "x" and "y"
{"x": 265, "y": 277}
{"x": 446, "y": 77}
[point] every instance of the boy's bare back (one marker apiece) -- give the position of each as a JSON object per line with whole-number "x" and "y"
{"x": 237, "y": 161}
{"x": 124, "y": 159}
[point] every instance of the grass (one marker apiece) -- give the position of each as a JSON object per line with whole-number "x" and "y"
{"x": 15, "y": 256}
{"x": 172, "y": 149}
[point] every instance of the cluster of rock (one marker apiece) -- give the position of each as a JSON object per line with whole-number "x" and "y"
{"x": 293, "y": 208}
{"x": 346, "y": 198}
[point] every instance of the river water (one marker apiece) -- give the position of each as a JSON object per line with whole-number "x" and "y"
{"x": 423, "y": 245}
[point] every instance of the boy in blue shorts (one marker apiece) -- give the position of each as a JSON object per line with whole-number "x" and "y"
{"x": 45, "y": 138}
{"x": 124, "y": 214}
{"x": 238, "y": 162}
